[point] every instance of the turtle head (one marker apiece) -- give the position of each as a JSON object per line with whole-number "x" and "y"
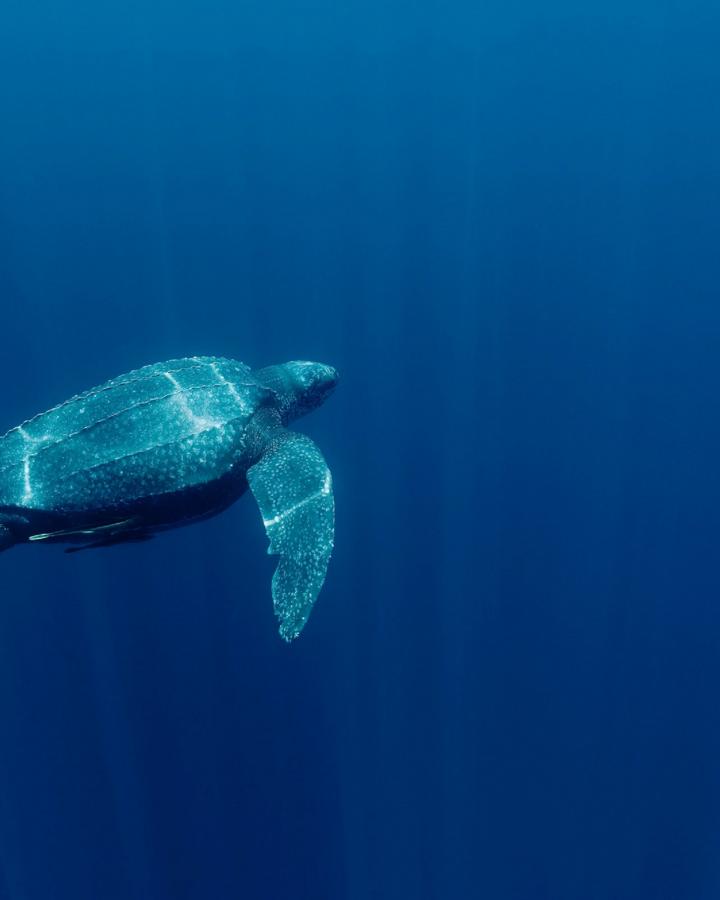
{"x": 300, "y": 386}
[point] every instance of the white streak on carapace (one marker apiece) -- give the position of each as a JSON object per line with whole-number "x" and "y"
{"x": 27, "y": 484}
{"x": 199, "y": 423}
{"x": 233, "y": 390}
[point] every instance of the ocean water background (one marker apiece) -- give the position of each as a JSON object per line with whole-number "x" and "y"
{"x": 500, "y": 222}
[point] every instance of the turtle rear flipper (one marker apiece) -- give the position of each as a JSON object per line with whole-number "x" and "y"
{"x": 92, "y": 534}
{"x": 122, "y": 532}
{"x": 293, "y": 488}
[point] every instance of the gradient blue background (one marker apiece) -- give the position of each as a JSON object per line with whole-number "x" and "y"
{"x": 500, "y": 222}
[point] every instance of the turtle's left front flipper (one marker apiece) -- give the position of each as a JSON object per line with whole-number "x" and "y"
{"x": 293, "y": 488}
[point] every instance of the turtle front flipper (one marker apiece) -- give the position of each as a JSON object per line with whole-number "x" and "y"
{"x": 293, "y": 488}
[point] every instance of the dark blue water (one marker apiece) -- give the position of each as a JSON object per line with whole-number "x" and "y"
{"x": 500, "y": 222}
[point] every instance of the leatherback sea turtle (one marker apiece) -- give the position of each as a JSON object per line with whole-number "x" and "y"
{"x": 173, "y": 443}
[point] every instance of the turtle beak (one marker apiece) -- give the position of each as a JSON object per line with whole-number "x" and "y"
{"x": 331, "y": 377}
{"x": 313, "y": 383}
{"x": 327, "y": 380}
